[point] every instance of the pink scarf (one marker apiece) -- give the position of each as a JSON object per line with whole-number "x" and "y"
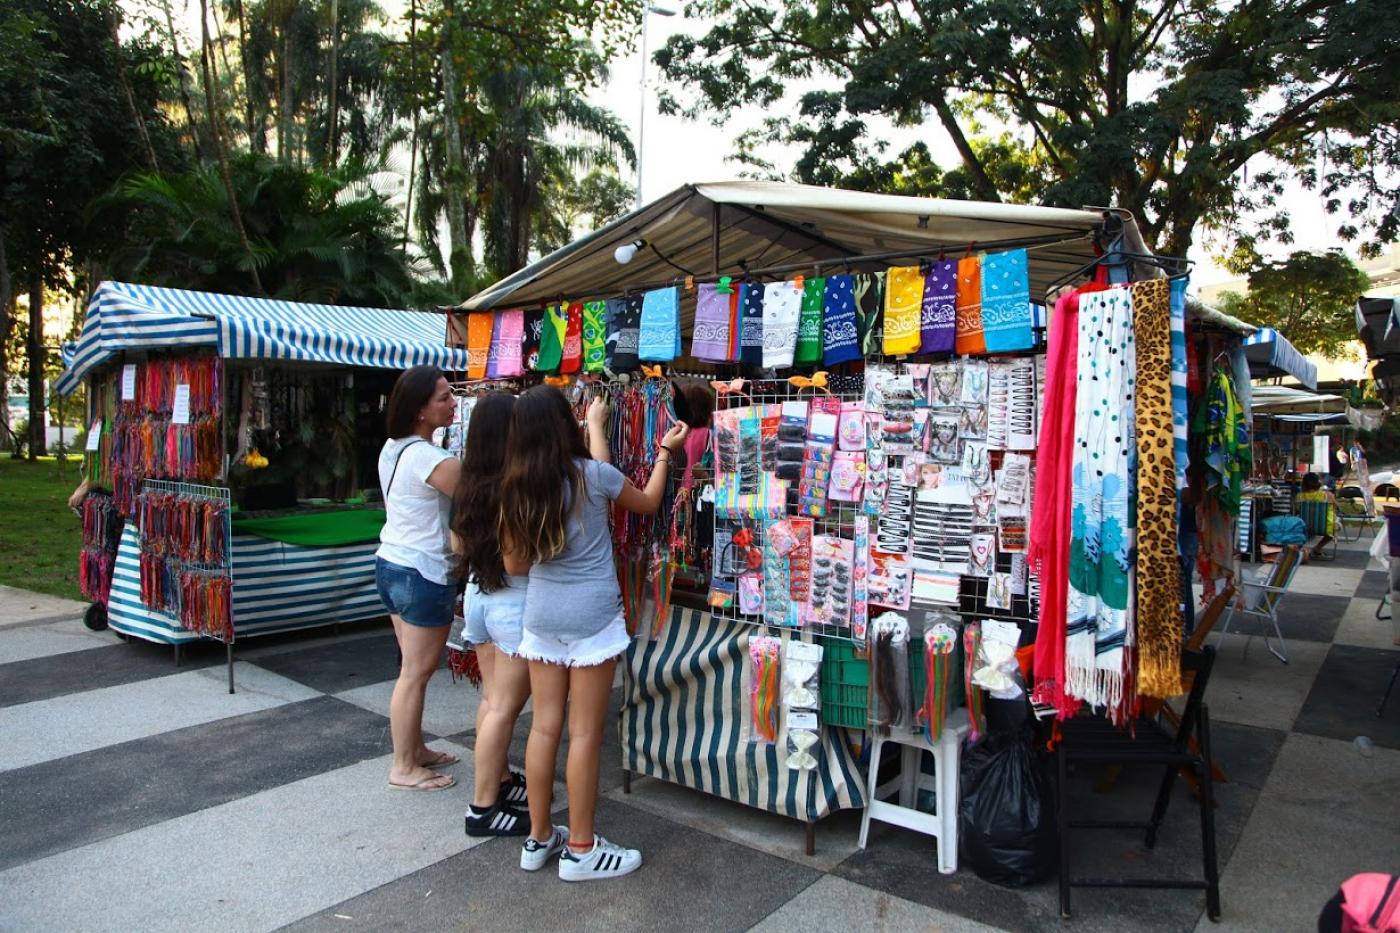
{"x": 1048, "y": 553}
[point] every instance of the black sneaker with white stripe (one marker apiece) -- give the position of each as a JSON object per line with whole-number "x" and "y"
{"x": 604, "y": 860}
{"x": 513, "y": 789}
{"x": 499, "y": 820}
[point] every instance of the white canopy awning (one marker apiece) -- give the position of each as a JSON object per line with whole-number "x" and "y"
{"x": 730, "y": 227}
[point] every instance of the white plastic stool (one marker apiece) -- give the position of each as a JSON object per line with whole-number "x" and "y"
{"x": 942, "y": 824}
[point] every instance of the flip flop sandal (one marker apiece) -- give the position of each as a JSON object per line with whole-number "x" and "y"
{"x": 427, "y": 784}
{"x": 443, "y": 760}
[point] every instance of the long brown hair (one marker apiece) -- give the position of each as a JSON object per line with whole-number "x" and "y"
{"x": 541, "y": 457}
{"x": 412, "y": 390}
{"x": 476, "y": 508}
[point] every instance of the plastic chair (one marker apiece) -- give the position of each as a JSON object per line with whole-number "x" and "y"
{"x": 942, "y": 824}
{"x": 1315, "y": 517}
{"x": 1097, "y": 741}
{"x": 1270, "y": 595}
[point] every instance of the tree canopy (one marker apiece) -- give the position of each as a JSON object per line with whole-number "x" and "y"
{"x": 1158, "y": 107}
{"x": 1310, "y": 298}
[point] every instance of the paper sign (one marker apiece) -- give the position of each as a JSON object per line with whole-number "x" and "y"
{"x": 129, "y": 382}
{"x": 94, "y": 435}
{"x": 802, "y": 719}
{"x": 1008, "y": 633}
{"x": 180, "y": 411}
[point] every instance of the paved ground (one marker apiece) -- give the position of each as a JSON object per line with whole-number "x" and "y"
{"x": 138, "y": 795}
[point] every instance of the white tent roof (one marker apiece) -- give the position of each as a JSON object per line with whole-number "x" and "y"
{"x": 728, "y": 227}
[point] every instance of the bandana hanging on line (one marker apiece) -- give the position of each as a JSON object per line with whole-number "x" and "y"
{"x": 1097, "y": 621}
{"x": 870, "y": 305}
{"x": 840, "y": 336}
{"x": 660, "y": 325}
{"x": 552, "y": 338}
{"x": 710, "y": 336}
{"x": 479, "y": 326}
{"x": 624, "y": 334}
{"x": 904, "y": 292}
{"x": 1006, "y": 302}
{"x": 939, "y": 314}
{"x": 571, "y": 359}
{"x": 782, "y": 307}
{"x": 751, "y": 324}
{"x": 511, "y": 327}
{"x": 534, "y": 334}
{"x": 493, "y": 356}
{"x": 809, "y": 327}
{"x": 594, "y": 336}
{"x": 969, "y": 335}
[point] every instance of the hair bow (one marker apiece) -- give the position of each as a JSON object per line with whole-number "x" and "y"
{"x": 732, "y": 387}
{"x": 817, "y": 381}
{"x": 653, "y": 372}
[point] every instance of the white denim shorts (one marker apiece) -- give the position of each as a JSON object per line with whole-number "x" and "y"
{"x": 494, "y": 618}
{"x": 577, "y": 652}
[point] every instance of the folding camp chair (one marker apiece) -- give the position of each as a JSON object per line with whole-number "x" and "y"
{"x": 1095, "y": 740}
{"x": 1315, "y": 517}
{"x": 1353, "y": 517}
{"x": 1262, "y": 600}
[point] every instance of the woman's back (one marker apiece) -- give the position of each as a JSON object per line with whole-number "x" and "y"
{"x": 416, "y": 521}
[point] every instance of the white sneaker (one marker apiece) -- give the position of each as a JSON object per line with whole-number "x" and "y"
{"x": 534, "y": 854}
{"x": 605, "y": 860}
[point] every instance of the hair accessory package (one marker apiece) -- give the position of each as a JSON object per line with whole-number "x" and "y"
{"x": 889, "y": 673}
{"x": 940, "y": 641}
{"x": 832, "y": 564}
{"x": 764, "y": 688}
{"x": 816, "y": 468}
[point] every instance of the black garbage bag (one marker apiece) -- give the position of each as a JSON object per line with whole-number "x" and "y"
{"x": 1007, "y": 812}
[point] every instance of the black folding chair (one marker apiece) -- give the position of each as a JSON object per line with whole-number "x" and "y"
{"x": 1095, "y": 740}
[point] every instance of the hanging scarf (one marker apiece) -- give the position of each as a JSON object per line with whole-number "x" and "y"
{"x": 840, "y": 336}
{"x": 751, "y": 324}
{"x": 904, "y": 293}
{"x": 511, "y": 327}
{"x": 478, "y": 343}
{"x": 710, "y": 338}
{"x": 556, "y": 322}
{"x": 493, "y": 356}
{"x": 870, "y": 304}
{"x": 594, "y": 336}
{"x": 1101, "y": 528}
{"x": 939, "y": 313}
{"x": 1180, "y": 416}
{"x": 1158, "y": 621}
{"x": 624, "y": 333}
{"x": 534, "y": 336}
{"x": 969, "y": 297}
{"x": 659, "y": 340}
{"x": 809, "y": 327}
{"x": 571, "y": 359}
{"x": 1222, "y": 424}
{"x": 1006, "y": 302}
{"x": 782, "y": 307}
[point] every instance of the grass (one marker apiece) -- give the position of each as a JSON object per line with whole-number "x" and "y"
{"x": 39, "y": 537}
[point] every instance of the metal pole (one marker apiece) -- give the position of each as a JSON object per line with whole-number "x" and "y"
{"x": 642, "y": 106}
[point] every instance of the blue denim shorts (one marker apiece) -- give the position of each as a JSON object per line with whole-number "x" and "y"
{"x": 407, "y": 594}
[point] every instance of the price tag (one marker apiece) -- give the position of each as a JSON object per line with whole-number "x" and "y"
{"x": 802, "y": 719}
{"x": 1008, "y": 633}
{"x": 180, "y": 411}
{"x": 94, "y": 437}
{"x": 803, "y": 651}
{"x": 129, "y": 382}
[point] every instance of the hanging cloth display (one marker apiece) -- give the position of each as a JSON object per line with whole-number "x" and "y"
{"x": 552, "y": 339}
{"x": 1101, "y": 542}
{"x": 809, "y": 326}
{"x": 840, "y": 336}
{"x": 751, "y": 324}
{"x": 710, "y": 337}
{"x": 659, "y": 341}
{"x": 904, "y": 294}
{"x": 870, "y": 306}
{"x": 624, "y": 333}
{"x": 478, "y": 344}
{"x": 938, "y": 322}
{"x": 969, "y": 327}
{"x": 571, "y": 359}
{"x": 493, "y": 356}
{"x": 782, "y": 307}
{"x": 1158, "y": 621}
{"x": 594, "y": 336}
{"x": 534, "y": 334}
{"x": 1221, "y": 422}
{"x": 1006, "y": 302}
{"x": 511, "y": 326}
{"x": 1180, "y": 414}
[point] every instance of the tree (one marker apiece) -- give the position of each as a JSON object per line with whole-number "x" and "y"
{"x": 316, "y": 236}
{"x": 1310, "y": 298}
{"x": 1156, "y": 106}
{"x": 68, "y": 131}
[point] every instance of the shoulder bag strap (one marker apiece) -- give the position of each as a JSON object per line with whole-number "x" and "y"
{"x": 395, "y": 471}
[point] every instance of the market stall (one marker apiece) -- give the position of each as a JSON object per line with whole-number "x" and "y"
{"x": 233, "y": 444}
{"x": 885, "y": 407}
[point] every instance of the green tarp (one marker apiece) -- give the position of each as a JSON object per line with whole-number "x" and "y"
{"x": 316, "y": 528}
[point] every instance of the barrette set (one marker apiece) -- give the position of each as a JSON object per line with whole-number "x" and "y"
{"x": 896, "y": 523}
{"x": 891, "y": 580}
{"x": 1011, "y": 398}
{"x": 898, "y": 431}
{"x": 832, "y": 566}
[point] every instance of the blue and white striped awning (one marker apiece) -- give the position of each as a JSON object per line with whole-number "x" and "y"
{"x": 1270, "y": 354}
{"x": 121, "y": 316}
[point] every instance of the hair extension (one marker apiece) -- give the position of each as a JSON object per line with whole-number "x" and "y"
{"x": 972, "y": 643}
{"x": 888, "y": 710}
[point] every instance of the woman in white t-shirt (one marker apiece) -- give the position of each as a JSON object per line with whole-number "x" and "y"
{"x": 413, "y": 566}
